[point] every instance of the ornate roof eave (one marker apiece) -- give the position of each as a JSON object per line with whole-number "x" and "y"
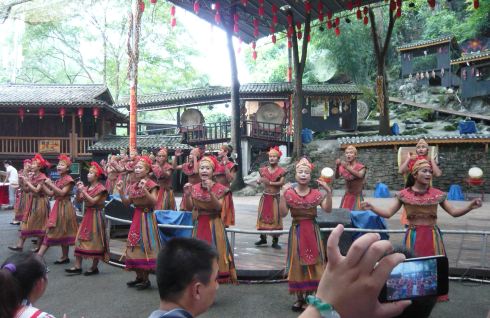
{"x": 472, "y": 58}
{"x": 427, "y": 43}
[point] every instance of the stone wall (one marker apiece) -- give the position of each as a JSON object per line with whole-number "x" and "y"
{"x": 454, "y": 160}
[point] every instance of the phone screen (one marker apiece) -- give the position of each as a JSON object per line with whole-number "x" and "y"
{"x": 413, "y": 279}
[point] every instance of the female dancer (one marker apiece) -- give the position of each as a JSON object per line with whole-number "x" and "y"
{"x": 91, "y": 239}
{"x": 62, "y": 221}
{"x": 206, "y": 198}
{"x": 37, "y": 205}
{"x": 143, "y": 237}
{"x": 190, "y": 169}
{"x": 163, "y": 173}
{"x": 423, "y": 236}
{"x": 21, "y": 197}
{"x": 306, "y": 255}
{"x": 269, "y": 218}
{"x": 112, "y": 170}
{"x": 224, "y": 174}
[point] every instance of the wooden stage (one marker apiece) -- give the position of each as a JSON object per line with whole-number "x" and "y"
{"x": 463, "y": 250}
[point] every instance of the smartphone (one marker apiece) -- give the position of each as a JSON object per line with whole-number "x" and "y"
{"x": 417, "y": 278}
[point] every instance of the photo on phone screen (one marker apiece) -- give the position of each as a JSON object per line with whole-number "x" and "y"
{"x": 417, "y": 277}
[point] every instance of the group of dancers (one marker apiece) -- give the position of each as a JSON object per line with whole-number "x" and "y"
{"x": 146, "y": 183}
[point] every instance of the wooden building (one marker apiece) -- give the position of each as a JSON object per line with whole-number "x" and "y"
{"x": 474, "y": 72}
{"x": 430, "y": 61}
{"x": 54, "y": 119}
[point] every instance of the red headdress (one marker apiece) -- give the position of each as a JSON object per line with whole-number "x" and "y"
{"x": 211, "y": 159}
{"x": 43, "y": 163}
{"x": 65, "y": 159}
{"x": 275, "y": 151}
{"x": 146, "y": 161}
{"x": 304, "y": 162}
{"x": 96, "y": 168}
{"x": 27, "y": 161}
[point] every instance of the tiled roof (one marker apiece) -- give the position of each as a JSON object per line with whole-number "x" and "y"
{"x": 425, "y": 43}
{"x": 485, "y": 55}
{"x": 371, "y": 141}
{"x": 150, "y": 142}
{"x": 221, "y": 94}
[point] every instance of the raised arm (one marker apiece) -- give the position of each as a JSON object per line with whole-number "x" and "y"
{"x": 178, "y": 153}
{"x": 124, "y": 199}
{"x": 436, "y": 171}
{"x": 283, "y": 207}
{"x": 404, "y": 166}
{"x": 456, "y": 212}
{"x": 326, "y": 204}
{"x": 385, "y": 213}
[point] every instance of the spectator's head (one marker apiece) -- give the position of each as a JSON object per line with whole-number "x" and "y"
{"x": 420, "y": 307}
{"x": 187, "y": 272}
{"x": 7, "y": 163}
{"x": 22, "y": 276}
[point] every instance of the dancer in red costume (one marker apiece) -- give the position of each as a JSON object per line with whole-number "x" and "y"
{"x": 269, "y": 218}
{"x": 421, "y": 152}
{"x": 36, "y": 209}
{"x": 91, "y": 241}
{"x": 306, "y": 254}
{"x": 353, "y": 173}
{"x": 423, "y": 236}
{"x": 163, "y": 171}
{"x": 206, "y": 199}
{"x": 21, "y": 196}
{"x": 62, "y": 224}
{"x": 190, "y": 169}
{"x": 225, "y": 174}
{"x": 143, "y": 237}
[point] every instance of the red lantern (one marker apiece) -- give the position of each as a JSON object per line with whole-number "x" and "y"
{"x": 329, "y": 15}
{"x": 261, "y": 11}
{"x": 392, "y": 5}
{"x": 476, "y": 4}
{"x": 337, "y": 21}
{"x": 274, "y": 9}
{"x": 365, "y": 10}
{"x": 358, "y": 14}
{"x": 96, "y": 112}
{"x": 173, "y": 21}
{"x": 196, "y": 7}
{"x": 256, "y": 27}
{"x": 254, "y": 55}
{"x": 307, "y": 6}
{"x": 62, "y": 113}
{"x": 399, "y": 12}
{"x": 80, "y": 113}
{"x": 153, "y": 1}
{"x": 290, "y": 74}
{"x": 274, "y": 38}
{"x": 308, "y": 38}
{"x": 366, "y": 20}
{"x": 290, "y": 44}
{"x": 235, "y": 28}
{"x": 337, "y": 31}
{"x": 217, "y": 18}
{"x": 432, "y": 3}
{"x": 290, "y": 19}
{"x": 299, "y": 35}
{"x": 329, "y": 24}
{"x": 41, "y": 112}
{"x": 142, "y": 6}
{"x": 22, "y": 113}
{"x": 350, "y": 5}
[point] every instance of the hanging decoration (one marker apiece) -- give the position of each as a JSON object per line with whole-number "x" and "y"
{"x": 261, "y": 8}
{"x": 153, "y": 1}
{"x": 320, "y": 11}
{"x": 290, "y": 73}
{"x": 337, "y": 31}
{"x": 96, "y": 112}
{"x": 350, "y": 5}
{"x": 272, "y": 31}
{"x": 244, "y": 2}
{"x": 256, "y": 27}
{"x": 80, "y": 113}
{"x": 254, "y": 53}
{"x": 299, "y": 34}
{"x": 308, "y": 6}
{"x": 392, "y": 5}
{"x": 62, "y": 113}
{"x": 329, "y": 24}
{"x": 236, "y": 17}
{"x": 358, "y": 14}
{"x": 476, "y": 4}
{"x": 173, "y": 20}
{"x": 22, "y": 113}
{"x": 217, "y": 16}
{"x": 274, "y": 14}
{"x": 432, "y": 4}
{"x": 196, "y": 7}
{"x": 366, "y": 20}
{"x": 142, "y": 6}
{"x": 41, "y": 112}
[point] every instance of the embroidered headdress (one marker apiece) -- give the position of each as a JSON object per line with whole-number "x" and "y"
{"x": 419, "y": 165}
{"x": 65, "y": 159}
{"x": 304, "y": 162}
{"x": 96, "y": 169}
{"x": 275, "y": 151}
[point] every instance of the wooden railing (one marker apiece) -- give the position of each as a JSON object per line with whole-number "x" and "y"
{"x": 266, "y": 131}
{"x": 21, "y": 146}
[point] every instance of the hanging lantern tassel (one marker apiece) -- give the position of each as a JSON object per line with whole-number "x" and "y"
{"x": 62, "y": 113}
{"x": 41, "y": 112}
{"x": 254, "y": 53}
{"x": 22, "y": 113}
{"x": 80, "y": 113}
{"x": 196, "y": 7}
{"x": 96, "y": 112}
{"x": 476, "y": 4}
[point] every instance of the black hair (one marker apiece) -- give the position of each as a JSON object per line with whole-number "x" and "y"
{"x": 180, "y": 262}
{"x": 18, "y": 275}
{"x": 9, "y": 162}
{"x": 420, "y": 307}
{"x": 410, "y": 181}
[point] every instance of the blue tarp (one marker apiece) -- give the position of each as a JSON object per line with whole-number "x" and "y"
{"x": 395, "y": 129}
{"x": 368, "y": 220}
{"x": 455, "y": 193}
{"x": 382, "y": 191}
{"x": 175, "y": 218}
{"x": 467, "y": 127}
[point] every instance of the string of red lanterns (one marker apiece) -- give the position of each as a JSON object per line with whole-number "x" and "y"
{"x": 41, "y": 112}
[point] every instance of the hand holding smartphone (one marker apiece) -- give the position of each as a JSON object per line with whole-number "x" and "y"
{"x": 417, "y": 278}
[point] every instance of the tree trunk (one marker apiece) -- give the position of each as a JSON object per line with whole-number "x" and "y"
{"x": 133, "y": 54}
{"x": 381, "y": 78}
{"x": 298, "y": 95}
{"x": 236, "y": 140}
